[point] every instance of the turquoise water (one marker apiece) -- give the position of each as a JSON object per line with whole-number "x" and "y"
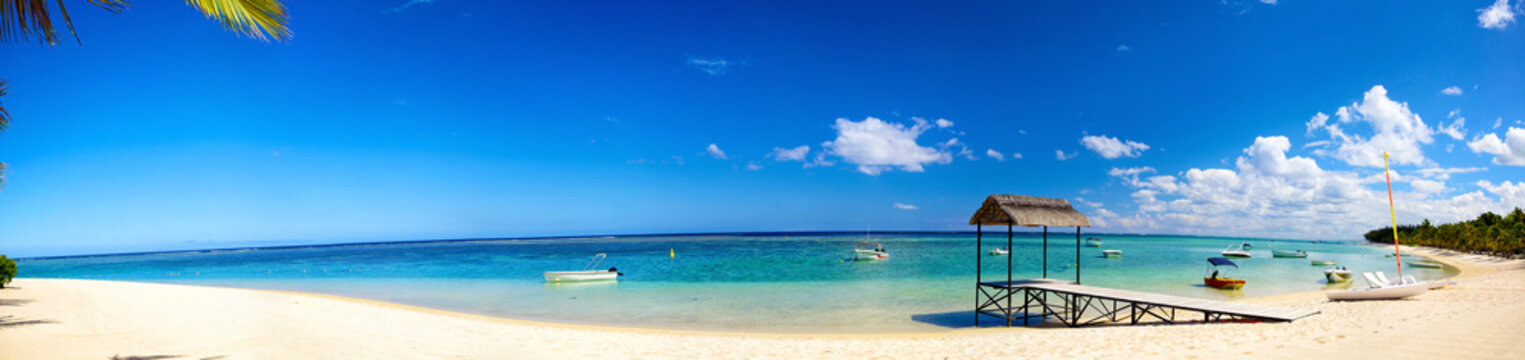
{"x": 794, "y": 283}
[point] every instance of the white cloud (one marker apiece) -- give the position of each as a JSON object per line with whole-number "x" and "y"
{"x": 1445, "y": 173}
{"x": 1509, "y": 151}
{"x": 1512, "y": 195}
{"x": 1112, "y": 148}
{"x": 1272, "y": 2}
{"x": 1497, "y": 16}
{"x": 905, "y": 206}
{"x": 1451, "y": 91}
{"x": 751, "y": 166}
{"x": 408, "y": 4}
{"x": 998, "y": 156}
{"x": 1399, "y": 132}
{"x": 1455, "y": 130}
{"x": 1267, "y": 191}
{"x": 715, "y": 152}
{"x": 876, "y": 146}
{"x": 943, "y": 123}
{"x": 1498, "y": 122}
{"x": 1016, "y": 155}
{"x": 792, "y": 154}
{"x": 1428, "y": 187}
{"x": 713, "y": 66}
{"x": 1059, "y": 154}
{"x": 1319, "y": 121}
{"x": 1123, "y": 48}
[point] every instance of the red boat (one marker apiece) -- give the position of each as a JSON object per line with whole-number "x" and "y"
{"x": 1221, "y": 280}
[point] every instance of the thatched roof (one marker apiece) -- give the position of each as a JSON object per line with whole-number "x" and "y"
{"x": 1024, "y": 210}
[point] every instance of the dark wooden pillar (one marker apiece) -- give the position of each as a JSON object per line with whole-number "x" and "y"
{"x": 1077, "y": 255}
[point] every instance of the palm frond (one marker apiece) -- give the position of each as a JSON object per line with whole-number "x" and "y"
{"x": 22, "y": 20}
{"x": 260, "y": 19}
{"x": 5, "y": 117}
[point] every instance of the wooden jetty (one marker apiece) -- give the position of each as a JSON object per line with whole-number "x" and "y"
{"x": 1080, "y": 305}
{"x": 1070, "y": 302}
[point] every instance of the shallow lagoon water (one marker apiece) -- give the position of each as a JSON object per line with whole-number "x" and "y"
{"x": 773, "y": 283}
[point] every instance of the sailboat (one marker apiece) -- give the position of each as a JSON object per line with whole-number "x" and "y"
{"x": 1379, "y": 287}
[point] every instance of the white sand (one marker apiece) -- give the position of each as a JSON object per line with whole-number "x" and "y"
{"x": 1482, "y": 318}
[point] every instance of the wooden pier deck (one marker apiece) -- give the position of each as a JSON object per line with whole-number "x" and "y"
{"x": 1070, "y": 303}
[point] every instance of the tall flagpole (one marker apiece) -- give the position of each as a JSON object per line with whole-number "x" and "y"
{"x": 1394, "y": 212}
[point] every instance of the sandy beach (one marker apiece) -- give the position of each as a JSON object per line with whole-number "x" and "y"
{"x": 84, "y": 319}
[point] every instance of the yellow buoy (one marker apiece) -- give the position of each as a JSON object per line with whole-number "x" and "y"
{"x": 671, "y": 253}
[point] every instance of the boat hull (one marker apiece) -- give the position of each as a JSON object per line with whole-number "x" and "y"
{"x": 1323, "y": 262}
{"x": 1335, "y": 276}
{"x": 1427, "y": 265}
{"x": 869, "y": 255}
{"x": 1223, "y": 283}
{"x": 578, "y": 276}
{"x": 1288, "y": 254}
{"x": 1112, "y": 253}
{"x": 1236, "y": 253}
{"x": 1384, "y": 293}
{"x": 999, "y": 252}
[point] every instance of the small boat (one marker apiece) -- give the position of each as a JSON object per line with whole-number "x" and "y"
{"x": 1381, "y": 290}
{"x": 1242, "y": 250}
{"x": 1337, "y": 275}
{"x": 1112, "y": 253}
{"x": 999, "y": 251}
{"x": 1246, "y": 245}
{"x": 1323, "y": 262}
{"x": 876, "y": 253}
{"x": 1221, "y": 280}
{"x": 1289, "y": 253}
{"x": 585, "y": 274}
{"x": 1428, "y": 264}
{"x": 1093, "y": 242}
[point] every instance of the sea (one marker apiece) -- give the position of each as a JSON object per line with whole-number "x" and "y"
{"x": 773, "y": 282}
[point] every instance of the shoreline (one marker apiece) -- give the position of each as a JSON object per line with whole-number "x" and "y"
{"x": 47, "y": 318}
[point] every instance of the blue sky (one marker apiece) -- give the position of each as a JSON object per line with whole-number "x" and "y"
{"x": 391, "y": 120}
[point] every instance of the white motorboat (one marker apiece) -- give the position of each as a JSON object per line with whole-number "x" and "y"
{"x": 1289, "y": 253}
{"x": 586, "y": 274}
{"x": 1240, "y": 250}
{"x": 1112, "y": 253}
{"x": 1337, "y": 275}
{"x": 999, "y": 251}
{"x": 1093, "y": 242}
{"x": 876, "y": 253}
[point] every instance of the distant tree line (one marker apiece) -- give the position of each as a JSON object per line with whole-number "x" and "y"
{"x": 1489, "y": 233}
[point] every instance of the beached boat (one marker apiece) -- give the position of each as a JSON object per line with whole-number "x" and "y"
{"x": 586, "y": 274}
{"x": 1337, "y": 275}
{"x": 999, "y": 251}
{"x": 1323, "y": 262}
{"x": 1289, "y": 253}
{"x": 1219, "y": 277}
{"x": 1428, "y": 264}
{"x": 1240, "y": 250}
{"x": 1380, "y": 289}
{"x": 875, "y": 253}
{"x": 1112, "y": 253}
{"x": 1093, "y": 242}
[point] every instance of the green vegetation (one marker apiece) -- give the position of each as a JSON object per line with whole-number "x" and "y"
{"x": 7, "y": 270}
{"x": 1489, "y": 233}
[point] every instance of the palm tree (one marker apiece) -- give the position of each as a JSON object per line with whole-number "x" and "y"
{"x": 265, "y": 20}
{"x": 21, "y": 20}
